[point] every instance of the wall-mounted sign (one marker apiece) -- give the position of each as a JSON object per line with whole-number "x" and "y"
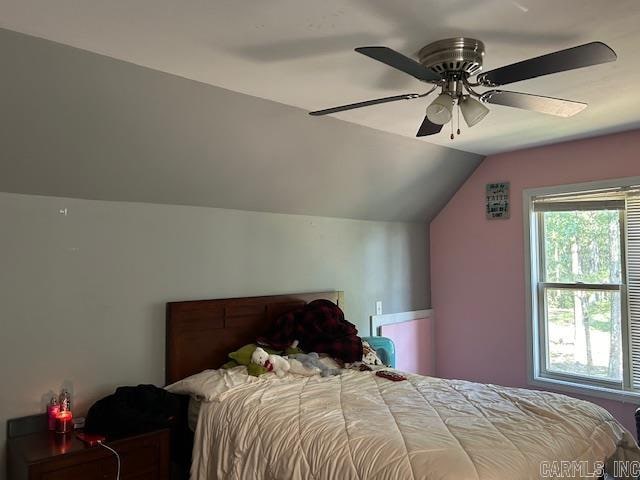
{"x": 497, "y": 200}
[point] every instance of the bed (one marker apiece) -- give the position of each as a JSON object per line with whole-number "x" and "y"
{"x": 360, "y": 426}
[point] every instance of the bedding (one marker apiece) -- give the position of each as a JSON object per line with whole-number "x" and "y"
{"x": 319, "y": 327}
{"x": 193, "y": 411}
{"x": 360, "y": 426}
{"x": 208, "y": 385}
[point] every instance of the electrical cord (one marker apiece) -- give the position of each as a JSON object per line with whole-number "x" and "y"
{"x": 115, "y": 453}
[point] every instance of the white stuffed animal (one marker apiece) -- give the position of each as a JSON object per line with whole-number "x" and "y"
{"x": 273, "y": 363}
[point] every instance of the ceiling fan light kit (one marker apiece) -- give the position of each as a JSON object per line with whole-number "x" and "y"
{"x": 448, "y": 65}
{"x": 472, "y": 110}
{"x": 441, "y": 109}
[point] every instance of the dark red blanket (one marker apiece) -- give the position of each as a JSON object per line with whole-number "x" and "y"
{"x": 319, "y": 327}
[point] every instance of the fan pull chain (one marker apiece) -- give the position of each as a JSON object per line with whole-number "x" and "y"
{"x": 458, "y": 119}
{"x": 451, "y": 129}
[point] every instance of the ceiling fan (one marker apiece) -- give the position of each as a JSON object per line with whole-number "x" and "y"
{"x": 448, "y": 64}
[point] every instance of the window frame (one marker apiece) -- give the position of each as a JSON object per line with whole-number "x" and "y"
{"x": 533, "y": 230}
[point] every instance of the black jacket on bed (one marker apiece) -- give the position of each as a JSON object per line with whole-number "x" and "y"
{"x": 135, "y": 410}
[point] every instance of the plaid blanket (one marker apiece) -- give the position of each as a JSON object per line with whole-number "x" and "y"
{"x": 319, "y": 327}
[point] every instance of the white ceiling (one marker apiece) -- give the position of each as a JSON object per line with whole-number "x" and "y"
{"x": 300, "y": 53}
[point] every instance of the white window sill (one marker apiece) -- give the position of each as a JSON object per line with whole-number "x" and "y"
{"x": 589, "y": 390}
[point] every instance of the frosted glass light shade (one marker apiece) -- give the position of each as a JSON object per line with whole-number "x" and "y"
{"x": 472, "y": 110}
{"x": 440, "y": 110}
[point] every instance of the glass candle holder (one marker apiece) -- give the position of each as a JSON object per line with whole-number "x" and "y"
{"x": 53, "y": 410}
{"x": 63, "y": 443}
{"x": 64, "y": 423}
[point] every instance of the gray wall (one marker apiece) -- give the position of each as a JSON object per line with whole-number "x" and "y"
{"x": 78, "y": 124}
{"x": 83, "y": 295}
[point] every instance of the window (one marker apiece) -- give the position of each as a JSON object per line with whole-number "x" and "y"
{"x": 584, "y": 264}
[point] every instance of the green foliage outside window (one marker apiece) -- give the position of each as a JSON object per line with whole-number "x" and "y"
{"x": 583, "y": 325}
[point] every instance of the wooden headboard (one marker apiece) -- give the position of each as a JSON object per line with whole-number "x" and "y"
{"x": 201, "y": 333}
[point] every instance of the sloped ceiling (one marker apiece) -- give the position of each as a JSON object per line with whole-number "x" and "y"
{"x": 300, "y": 53}
{"x": 74, "y": 123}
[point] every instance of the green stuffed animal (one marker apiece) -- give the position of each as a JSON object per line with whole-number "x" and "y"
{"x": 293, "y": 349}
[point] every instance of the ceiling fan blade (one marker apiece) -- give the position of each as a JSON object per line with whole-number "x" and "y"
{"x": 585, "y": 55}
{"x": 351, "y": 106}
{"x": 550, "y": 105}
{"x": 428, "y": 128}
{"x": 398, "y": 61}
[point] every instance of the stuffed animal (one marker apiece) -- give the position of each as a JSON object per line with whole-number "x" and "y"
{"x": 273, "y": 363}
{"x": 312, "y": 360}
{"x": 298, "y": 368}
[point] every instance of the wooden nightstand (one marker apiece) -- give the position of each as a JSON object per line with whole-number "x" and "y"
{"x": 46, "y": 456}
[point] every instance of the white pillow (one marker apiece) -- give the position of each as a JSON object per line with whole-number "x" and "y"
{"x": 208, "y": 385}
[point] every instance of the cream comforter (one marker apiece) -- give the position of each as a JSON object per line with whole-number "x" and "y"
{"x": 360, "y": 426}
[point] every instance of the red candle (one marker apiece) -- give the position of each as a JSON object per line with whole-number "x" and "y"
{"x": 64, "y": 422}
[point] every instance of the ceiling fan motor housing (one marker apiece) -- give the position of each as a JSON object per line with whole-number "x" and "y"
{"x": 453, "y": 56}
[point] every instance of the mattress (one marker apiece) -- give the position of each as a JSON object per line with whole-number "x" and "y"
{"x": 361, "y": 426}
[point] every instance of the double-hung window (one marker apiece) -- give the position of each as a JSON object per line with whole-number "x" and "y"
{"x": 584, "y": 293}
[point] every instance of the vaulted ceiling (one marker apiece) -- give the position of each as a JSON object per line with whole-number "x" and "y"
{"x": 300, "y": 53}
{"x": 77, "y": 124}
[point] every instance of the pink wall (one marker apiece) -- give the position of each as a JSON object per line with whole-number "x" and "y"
{"x": 414, "y": 345}
{"x": 477, "y": 266}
